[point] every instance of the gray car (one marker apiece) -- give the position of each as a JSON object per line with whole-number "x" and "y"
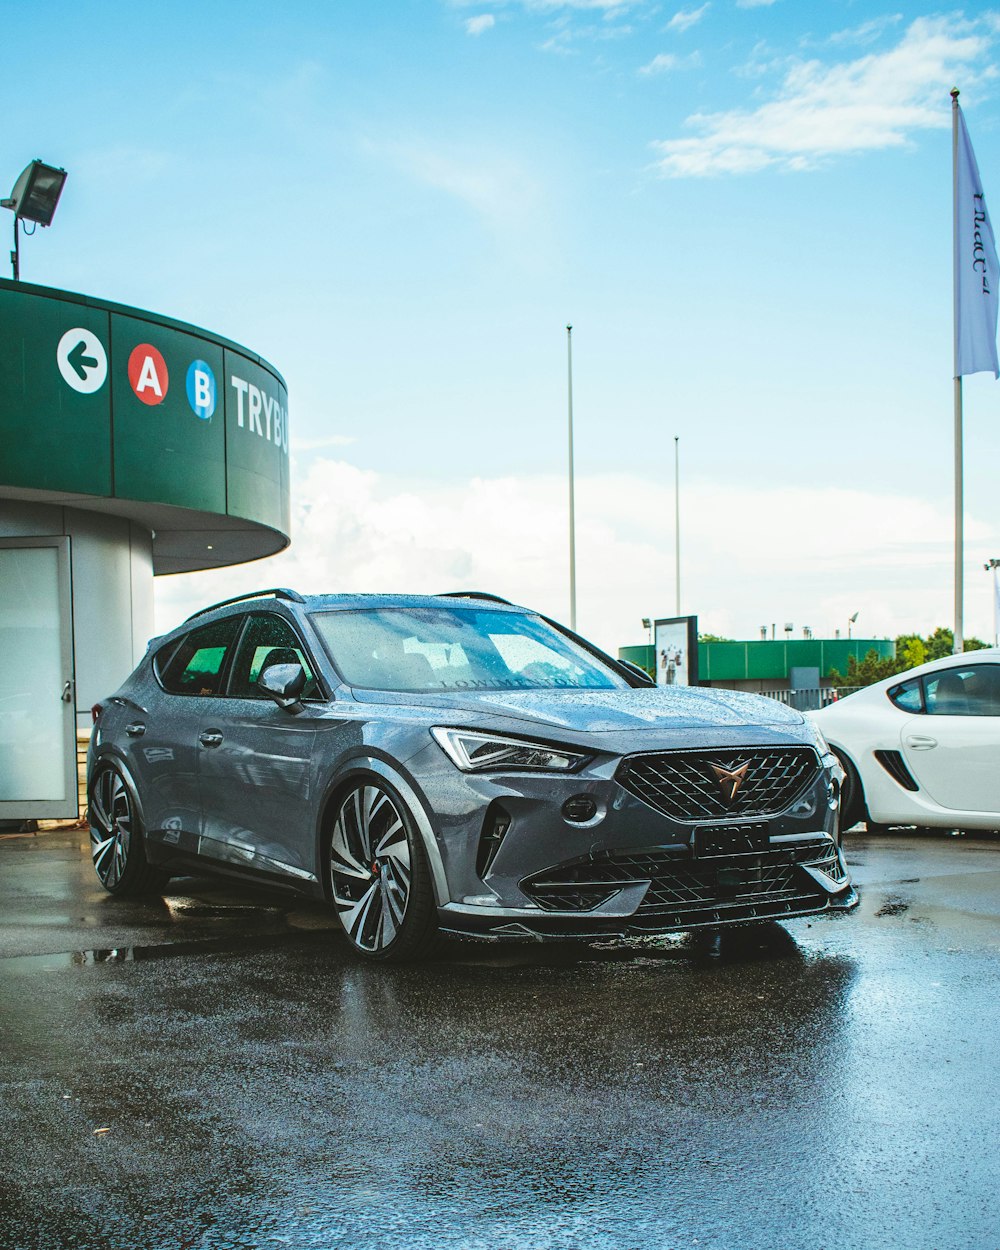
{"x": 456, "y": 764}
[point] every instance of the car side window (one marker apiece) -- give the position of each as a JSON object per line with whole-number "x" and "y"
{"x": 197, "y": 666}
{"x": 908, "y": 696}
{"x": 268, "y": 639}
{"x": 971, "y": 691}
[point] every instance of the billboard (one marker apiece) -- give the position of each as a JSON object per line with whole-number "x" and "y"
{"x": 676, "y": 648}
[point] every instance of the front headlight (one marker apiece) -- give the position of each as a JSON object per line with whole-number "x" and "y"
{"x": 479, "y": 752}
{"x": 819, "y": 742}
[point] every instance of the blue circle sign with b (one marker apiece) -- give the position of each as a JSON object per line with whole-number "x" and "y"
{"x": 201, "y": 389}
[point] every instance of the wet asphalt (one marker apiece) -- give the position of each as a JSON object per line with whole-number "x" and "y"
{"x": 216, "y": 1070}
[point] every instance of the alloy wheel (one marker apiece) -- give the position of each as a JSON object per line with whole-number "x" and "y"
{"x": 112, "y": 820}
{"x": 370, "y": 867}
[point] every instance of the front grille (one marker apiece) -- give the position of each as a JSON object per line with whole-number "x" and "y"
{"x": 684, "y": 890}
{"x": 684, "y": 785}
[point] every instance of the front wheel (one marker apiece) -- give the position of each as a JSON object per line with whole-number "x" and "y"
{"x": 852, "y": 796}
{"x": 116, "y": 836}
{"x": 378, "y": 874}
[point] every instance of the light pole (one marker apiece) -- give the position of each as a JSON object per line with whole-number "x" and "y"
{"x": 34, "y": 198}
{"x": 850, "y": 621}
{"x": 677, "y": 524}
{"x": 991, "y": 566}
{"x": 572, "y": 500}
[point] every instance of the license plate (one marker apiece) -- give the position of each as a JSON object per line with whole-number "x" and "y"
{"x": 716, "y": 840}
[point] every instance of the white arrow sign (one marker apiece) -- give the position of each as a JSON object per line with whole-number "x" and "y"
{"x": 82, "y": 360}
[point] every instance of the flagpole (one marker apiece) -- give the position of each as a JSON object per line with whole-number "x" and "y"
{"x": 959, "y": 484}
{"x": 572, "y": 501}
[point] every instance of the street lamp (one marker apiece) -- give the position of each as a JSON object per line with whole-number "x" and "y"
{"x": 647, "y": 625}
{"x": 34, "y": 198}
{"x": 850, "y": 621}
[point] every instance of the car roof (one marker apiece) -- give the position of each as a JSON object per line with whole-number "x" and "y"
{"x": 990, "y": 654}
{"x": 489, "y": 604}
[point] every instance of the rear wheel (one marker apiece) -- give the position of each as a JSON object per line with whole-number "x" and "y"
{"x": 378, "y": 874}
{"x": 116, "y": 836}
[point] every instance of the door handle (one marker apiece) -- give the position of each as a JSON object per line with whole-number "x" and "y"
{"x": 920, "y": 743}
{"x": 67, "y": 692}
{"x": 135, "y": 730}
{"x": 210, "y": 738}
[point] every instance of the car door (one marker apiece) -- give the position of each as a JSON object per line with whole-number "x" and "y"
{"x": 164, "y": 738}
{"x": 952, "y": 748}
{"x": 255, "y": 760}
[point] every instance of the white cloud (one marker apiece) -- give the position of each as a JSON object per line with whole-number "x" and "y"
{"x": 660, "y": 64}
{"x": 477, "y": 25}
{"x": 754, "y": 4}
{"x": 868, "y": 31}
{"x": 750, "y": 556}
{"x": 871, "y": 103}
{"x": 684, "y": 19}
{"x": 666, "y": 62}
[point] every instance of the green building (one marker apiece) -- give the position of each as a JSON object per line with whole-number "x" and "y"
{"x": 771, "y": 667}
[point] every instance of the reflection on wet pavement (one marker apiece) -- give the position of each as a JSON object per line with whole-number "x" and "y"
{"x": 821, "y": 1083}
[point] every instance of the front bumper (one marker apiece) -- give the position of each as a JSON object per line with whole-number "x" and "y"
{"x": 661, "y": 890}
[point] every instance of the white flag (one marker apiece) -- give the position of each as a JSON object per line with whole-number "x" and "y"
{"x": 977, "y": 277}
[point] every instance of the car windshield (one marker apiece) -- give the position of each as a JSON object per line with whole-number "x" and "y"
{"x": 456, "y": 648}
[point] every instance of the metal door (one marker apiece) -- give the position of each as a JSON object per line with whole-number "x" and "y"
{"x": 38, "y": 775}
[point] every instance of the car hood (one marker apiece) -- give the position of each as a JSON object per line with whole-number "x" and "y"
{"x": 607, "y": 711}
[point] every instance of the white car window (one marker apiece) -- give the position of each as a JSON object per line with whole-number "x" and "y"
{"x": 908, "y": 695}
{"x": 972, "y": 691}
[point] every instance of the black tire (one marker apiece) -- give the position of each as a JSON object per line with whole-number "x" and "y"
{"x": 852, "y": 796}
{"x": 377, "y": 871}
{"x": 117, "y": 843}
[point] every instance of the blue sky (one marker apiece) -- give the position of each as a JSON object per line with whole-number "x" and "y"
{"x": 744, "y": 209}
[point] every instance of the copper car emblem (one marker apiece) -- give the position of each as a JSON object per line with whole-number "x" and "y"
{"x": 730, "y": 782}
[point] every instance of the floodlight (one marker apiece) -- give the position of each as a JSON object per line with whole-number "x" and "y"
{"x": 36, "y": 193}
{"x": 34, "y": 198}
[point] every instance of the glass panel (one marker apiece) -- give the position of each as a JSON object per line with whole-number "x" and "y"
{"x": 907, "y": 695}
{"x": 972, "y": 691}
{"x": 269, "y": 639}
{"x": 196, "y": 667}
{"x": 457, "y": 649}
{"x": 33, "y": 739}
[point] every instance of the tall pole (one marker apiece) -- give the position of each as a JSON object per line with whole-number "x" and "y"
{"x": 572, "y": 500}
{"x": 959, "y": 485}
{"x": 677, "y": 524}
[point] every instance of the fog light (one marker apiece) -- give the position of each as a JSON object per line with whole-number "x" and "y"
{"x": 579, "y": 809}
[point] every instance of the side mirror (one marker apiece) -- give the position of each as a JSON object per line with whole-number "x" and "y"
{"x": 283, "y": 683}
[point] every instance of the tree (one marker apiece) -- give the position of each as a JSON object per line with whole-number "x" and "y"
{"x": 872, "y": 668}
{"x": 713, "y": 638}
{"x": 911, "y": 650}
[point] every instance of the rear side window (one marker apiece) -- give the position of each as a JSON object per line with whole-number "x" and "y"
{"x": 198, "y": 665}
{"x": 908, "y": 695}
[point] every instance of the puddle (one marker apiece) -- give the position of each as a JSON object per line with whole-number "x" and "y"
{"x": 61, "y": 961}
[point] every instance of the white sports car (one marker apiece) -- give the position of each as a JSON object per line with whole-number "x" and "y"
{"x": 923, "y": 747}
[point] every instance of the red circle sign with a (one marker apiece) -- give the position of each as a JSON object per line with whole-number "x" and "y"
{"x": 147, "y": 374}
